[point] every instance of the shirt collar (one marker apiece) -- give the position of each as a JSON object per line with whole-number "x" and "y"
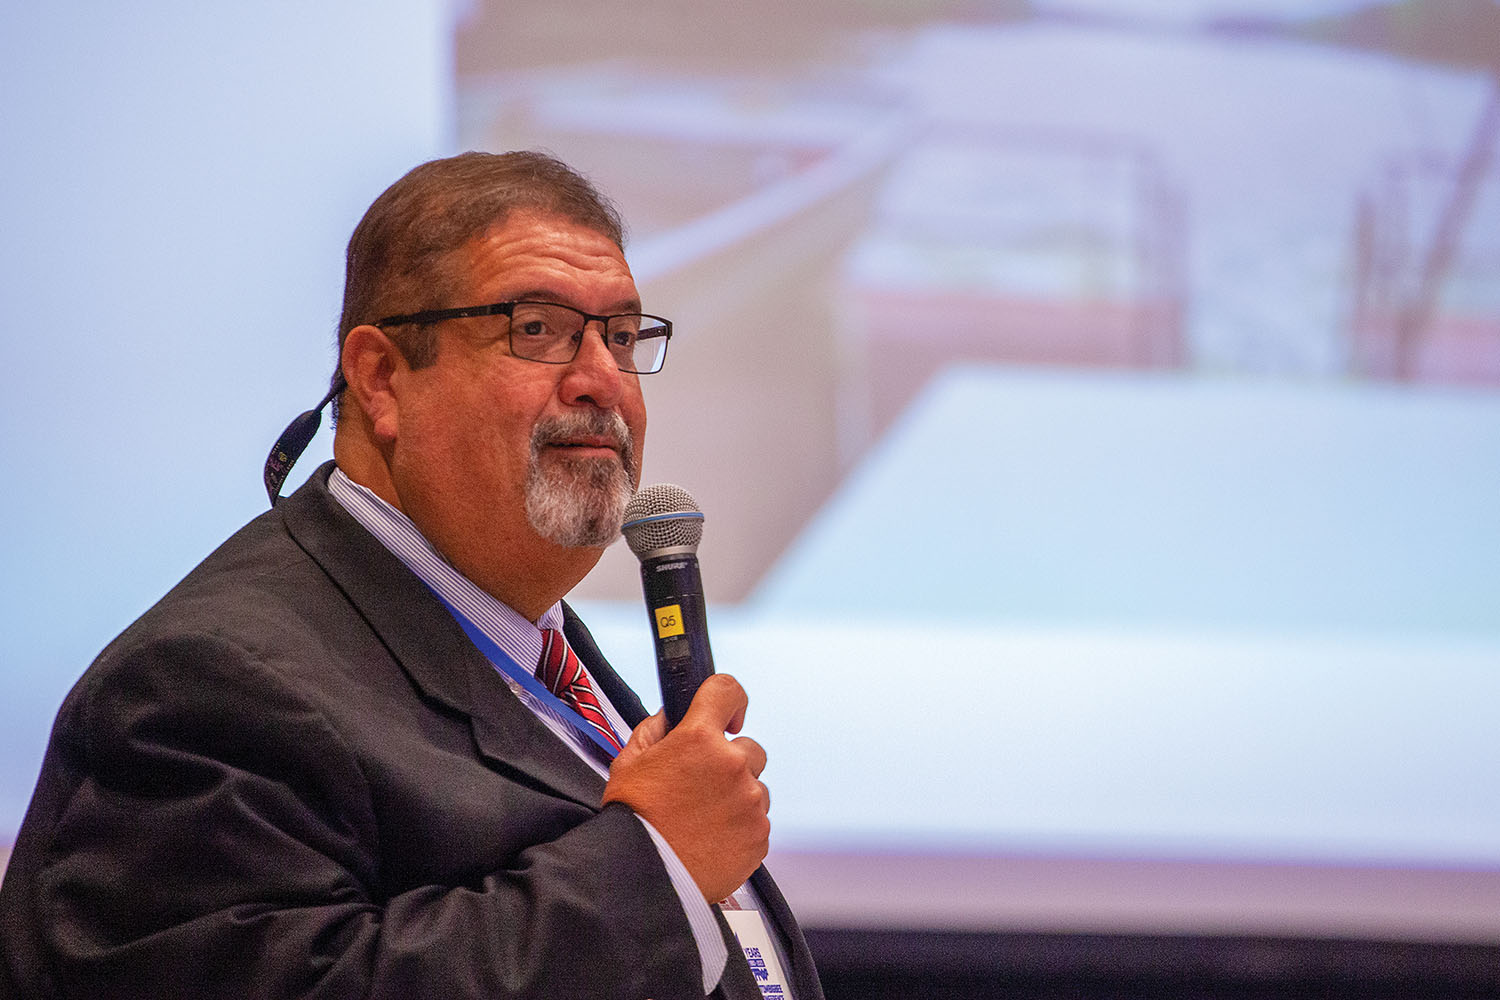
{"x": 509, "y": 628}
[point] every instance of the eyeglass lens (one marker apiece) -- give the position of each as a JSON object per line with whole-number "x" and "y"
{"x": 547, "y": 332}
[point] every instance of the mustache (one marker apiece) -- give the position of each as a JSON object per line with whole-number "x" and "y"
{"x": 606, "y": 424}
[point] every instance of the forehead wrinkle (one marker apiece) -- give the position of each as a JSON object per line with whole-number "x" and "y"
{"x": 553, "y": 260}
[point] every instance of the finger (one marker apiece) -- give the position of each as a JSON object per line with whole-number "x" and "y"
{"x": 719, "y": 703}
{"x": 754, "y": 754}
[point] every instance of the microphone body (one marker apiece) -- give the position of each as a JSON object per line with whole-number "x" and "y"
{"x": 679, "y": 624}
{"x": 663, "y": 527}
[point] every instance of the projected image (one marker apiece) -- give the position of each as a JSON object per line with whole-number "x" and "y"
{"x": 1151, "y": 348}
{"x": 839, "y": 206}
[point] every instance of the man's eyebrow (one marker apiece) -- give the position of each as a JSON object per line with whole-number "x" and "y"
{"x": 632, "y": 305}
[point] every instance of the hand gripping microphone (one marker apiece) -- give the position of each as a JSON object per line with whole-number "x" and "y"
{"x": 663, "y": 527}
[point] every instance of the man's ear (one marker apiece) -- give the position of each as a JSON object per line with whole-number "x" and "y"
{"x": 370, "y": 359}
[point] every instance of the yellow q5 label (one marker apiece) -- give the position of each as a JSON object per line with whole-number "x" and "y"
{"x": 668, "y": 621}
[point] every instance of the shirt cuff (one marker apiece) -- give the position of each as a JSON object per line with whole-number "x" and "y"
{"x": 712, "y": 951}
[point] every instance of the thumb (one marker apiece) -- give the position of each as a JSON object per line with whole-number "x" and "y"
{"x": 648, "y": 733}
{"x": 719, "y": 705}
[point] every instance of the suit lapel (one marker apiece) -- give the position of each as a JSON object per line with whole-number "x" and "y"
{"x": 805, "y": 984}
{"x": 430, "y": 647}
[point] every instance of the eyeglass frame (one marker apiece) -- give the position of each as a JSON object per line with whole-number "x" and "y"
{"x": 506, "y": 309}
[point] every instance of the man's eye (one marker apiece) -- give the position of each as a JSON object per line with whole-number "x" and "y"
{"x": 533, "y": 329}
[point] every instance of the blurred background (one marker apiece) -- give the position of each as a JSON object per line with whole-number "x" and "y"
{"x": 1096, "y": 409}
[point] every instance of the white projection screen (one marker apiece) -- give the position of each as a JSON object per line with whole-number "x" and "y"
{"x": 1095, "y": 406}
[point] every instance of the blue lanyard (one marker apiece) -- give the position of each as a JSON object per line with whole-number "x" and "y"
{"x": 507, "y": 665}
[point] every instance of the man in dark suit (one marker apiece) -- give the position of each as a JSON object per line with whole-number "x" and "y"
{"x": 322, "y": 767}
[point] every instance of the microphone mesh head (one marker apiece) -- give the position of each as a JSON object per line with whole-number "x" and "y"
{"x": 662, "y": 517}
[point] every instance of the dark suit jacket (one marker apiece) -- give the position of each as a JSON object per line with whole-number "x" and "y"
{"x": 296, "y": 777}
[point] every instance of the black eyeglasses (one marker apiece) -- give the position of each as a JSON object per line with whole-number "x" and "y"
{"x": 552, "y": 333}
{"x": 539, "y": 331}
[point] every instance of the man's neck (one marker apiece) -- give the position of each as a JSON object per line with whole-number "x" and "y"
{"x": 528, "y": 574}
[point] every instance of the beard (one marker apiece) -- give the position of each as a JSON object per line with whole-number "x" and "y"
{"x": 579, "y": 502}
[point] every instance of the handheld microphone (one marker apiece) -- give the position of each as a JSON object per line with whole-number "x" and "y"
{"x": 663, "y": 527}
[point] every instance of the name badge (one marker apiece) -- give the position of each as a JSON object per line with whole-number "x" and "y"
{"x": 750, "y": 931}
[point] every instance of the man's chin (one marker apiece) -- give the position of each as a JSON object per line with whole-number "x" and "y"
{"x": 578, "y": 503}
{"x": 598, "y": 466}
{"x": 579, "y": 532}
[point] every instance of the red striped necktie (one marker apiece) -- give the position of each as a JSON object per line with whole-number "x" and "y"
{"x": 560, "y": 670}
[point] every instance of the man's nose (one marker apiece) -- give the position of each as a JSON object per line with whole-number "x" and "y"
{"x": 594, "y": 374}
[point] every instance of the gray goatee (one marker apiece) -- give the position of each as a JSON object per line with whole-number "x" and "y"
{"x": 579, "y": 502}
